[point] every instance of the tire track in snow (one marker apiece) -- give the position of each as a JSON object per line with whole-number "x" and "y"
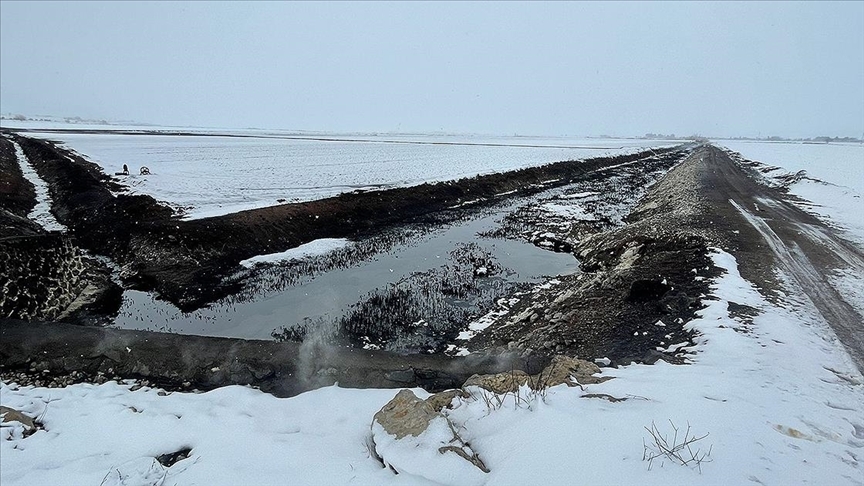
{"x": 843, "y": 318}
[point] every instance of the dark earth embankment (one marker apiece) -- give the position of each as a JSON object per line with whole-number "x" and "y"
{"x": 67, "y": 353}
{"x": 656, "y": 268}
{"x": 186, "y": 262}
{"x": 17, "y": 194}
{"x": 45, "y": 275}
{"x": 640, "y": 284}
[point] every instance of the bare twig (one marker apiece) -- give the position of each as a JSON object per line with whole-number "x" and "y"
{"x": 679, "y": 450}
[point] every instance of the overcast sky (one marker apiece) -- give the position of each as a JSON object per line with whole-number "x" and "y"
{"x": 720, "y": 69}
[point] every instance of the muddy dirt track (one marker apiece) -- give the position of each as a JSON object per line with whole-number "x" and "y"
{"x": 636, "y": 274}
{"x": 803, "y": 247}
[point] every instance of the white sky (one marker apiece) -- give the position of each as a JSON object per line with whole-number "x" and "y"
{"x": 777, "y": 68}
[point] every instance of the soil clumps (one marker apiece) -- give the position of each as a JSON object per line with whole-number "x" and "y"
{"x": 188, "y": 262}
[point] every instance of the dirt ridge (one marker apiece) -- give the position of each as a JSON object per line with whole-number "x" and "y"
{"x": 186, "y": 262}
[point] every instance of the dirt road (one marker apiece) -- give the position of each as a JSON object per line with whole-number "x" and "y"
{"x": 800, "y": 245}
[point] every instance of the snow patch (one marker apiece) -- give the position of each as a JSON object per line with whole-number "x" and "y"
{"x": 314, "y": 248}
{"x": 41, "y": 213}
{"x": 579, "y": 195}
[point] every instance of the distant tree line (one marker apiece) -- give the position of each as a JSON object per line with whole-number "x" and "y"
{"x": 68, "y": 119}
{"x": 772, "y": 138}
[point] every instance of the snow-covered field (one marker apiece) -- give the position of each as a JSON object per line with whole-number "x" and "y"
{"x": 213, "y": 173}
{"x": 837, "y": 193}
{"x": 778, "y": 397}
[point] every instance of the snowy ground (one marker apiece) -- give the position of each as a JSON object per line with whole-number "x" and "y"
{"x": 834, "y": 183}
{"x": 778, "y": 396}
{"x": 212, "y": 173}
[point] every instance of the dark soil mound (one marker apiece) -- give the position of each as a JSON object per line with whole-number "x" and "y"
{"x": 17, "y": 195}
{"x": 187, "y": 261}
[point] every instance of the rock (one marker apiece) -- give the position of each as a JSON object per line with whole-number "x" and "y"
{"x": 168, "y": 460}
{"x": 441, "y": 400}
{"x": 411, "y": 437}
{"x": 500, "y": 383}
{"x": 602, "y": 361}
{"x": 629, "y": 257}
{"x": 405, "y": 415}
{"x": 564, "y": 369}
{"x": 12, "y": 415}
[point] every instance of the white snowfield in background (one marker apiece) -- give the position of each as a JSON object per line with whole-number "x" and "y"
{"x": 210, "y": 175}
{"x": 778, "y": 397}
{"x": 317, "y": 247}
{"x": 839, "y": 197}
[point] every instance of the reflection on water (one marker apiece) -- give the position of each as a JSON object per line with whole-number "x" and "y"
{"x": 426, "y": 286}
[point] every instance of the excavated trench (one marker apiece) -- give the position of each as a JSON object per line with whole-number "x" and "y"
{"x": 504, "y": 229}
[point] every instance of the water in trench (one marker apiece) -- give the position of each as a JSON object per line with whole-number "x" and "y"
{"x": 413, "y": 298}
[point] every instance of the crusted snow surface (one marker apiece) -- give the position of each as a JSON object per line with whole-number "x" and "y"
{"x": 318, "y": 247}
{"x": 777, "y": 395}
{"x": 484, "y": 321}
{"x": 41, "y": 213}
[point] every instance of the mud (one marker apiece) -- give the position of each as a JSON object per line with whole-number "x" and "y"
{"x": 45, "y": 275}
{"x": 776, "y": 234}
{"x": 643, "y": 275}
{"x": 69, "y": 353}
{"x": 640, "y": 283}
{"x": 48, "y": 277}
{"x": 17, "y": 194}
{"x": 187, "y": 262}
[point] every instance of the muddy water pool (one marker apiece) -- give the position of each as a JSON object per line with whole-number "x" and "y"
{"x": 413, "y": 297}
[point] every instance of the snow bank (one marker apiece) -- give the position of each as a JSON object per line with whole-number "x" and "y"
{"x": 317, "y": 247}
{"x": 776, "y": 393}
{"x": 237, "y": 436}
{"x": 41, "y": 213}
